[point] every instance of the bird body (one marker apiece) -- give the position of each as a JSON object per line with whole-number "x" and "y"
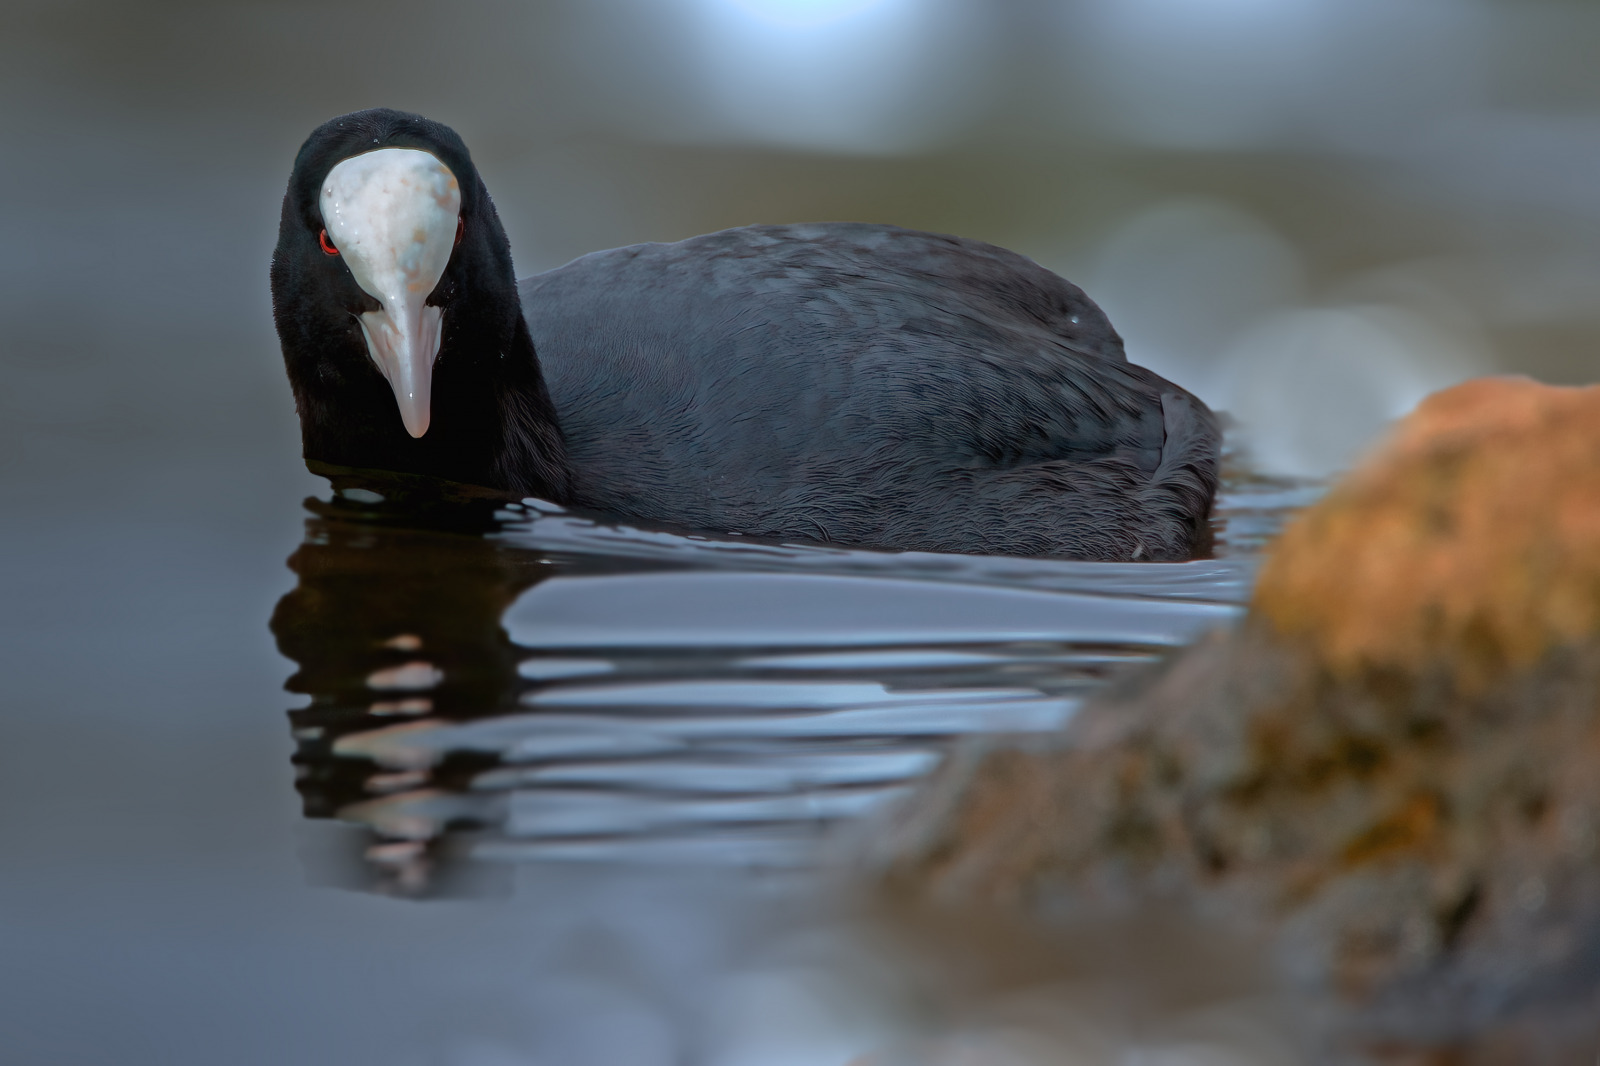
{"x": 840, "y": 382}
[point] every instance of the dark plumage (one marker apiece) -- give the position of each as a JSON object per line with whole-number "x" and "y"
{"x": 857, "y": 384}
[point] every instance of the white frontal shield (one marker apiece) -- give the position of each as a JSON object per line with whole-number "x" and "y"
{"x": 392, "y": 215}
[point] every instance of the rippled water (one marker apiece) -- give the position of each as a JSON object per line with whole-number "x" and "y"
{"x": 496, "y": 683}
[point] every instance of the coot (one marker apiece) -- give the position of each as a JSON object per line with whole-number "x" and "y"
{"x": 857, "y": 384}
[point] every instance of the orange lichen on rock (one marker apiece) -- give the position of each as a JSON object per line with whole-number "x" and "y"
{"x": 1470, "y": 539}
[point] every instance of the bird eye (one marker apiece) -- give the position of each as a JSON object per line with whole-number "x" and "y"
{"x": 327, "y": 245}
{"x": 461, "y": 225}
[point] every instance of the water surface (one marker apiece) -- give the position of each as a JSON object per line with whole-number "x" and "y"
{"x": 494, "y": 683}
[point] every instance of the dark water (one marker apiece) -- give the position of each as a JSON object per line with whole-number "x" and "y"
{"x": 499, "y": 684}
{"x": 566, "y": 794}
{"x": 570, "y": 788}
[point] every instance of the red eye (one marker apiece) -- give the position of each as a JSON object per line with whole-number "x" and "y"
{"x": 461, "y": 225}
{"x": 327, "y": 245}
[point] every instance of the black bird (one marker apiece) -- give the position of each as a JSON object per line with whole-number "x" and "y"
{"x": 856, "y": 384}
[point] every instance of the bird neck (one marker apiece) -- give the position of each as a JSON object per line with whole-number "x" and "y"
{"x": 492, "y": 423}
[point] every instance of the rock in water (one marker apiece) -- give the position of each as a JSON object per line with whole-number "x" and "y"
{"x": 1393, "y": 763}
{"x": 1471, "y": 540}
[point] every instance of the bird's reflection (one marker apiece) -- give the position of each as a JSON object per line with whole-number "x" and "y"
{"x": 395, "y": 622}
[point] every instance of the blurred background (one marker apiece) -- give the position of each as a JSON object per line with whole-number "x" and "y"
{"x": 1310, "y": 212}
